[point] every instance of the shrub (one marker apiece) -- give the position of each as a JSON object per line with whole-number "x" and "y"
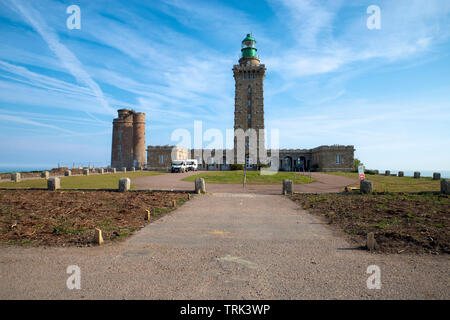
{"x": 237, "y": 167}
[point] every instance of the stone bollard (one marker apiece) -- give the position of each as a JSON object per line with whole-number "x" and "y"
{"x": 371, "y": 243}
{"x": 401, "y": 174}
{"x": 387, "y": 173}
{"x": 53, "y": 184}
{"x": 45, "y": 174}
{"x": 200, "y": 185}
{"x": 68, "y": 173}
{"x": 133, "y": 169}
{"x": 416, "y": 175}
{"x": 102, "y": 171}
{"x": 436, "y": 176}
{"x": 445, "y": 186}
{"x": 365, "y": 186}
{"x": 86, "y": 172}
{"x": 287, "y": 186}
{"x": 16, "y": 177}
{"x": 98, "y": 238}
{"x": 124, "y": 184}
{"x": 113, "y": 170}
{"x": 124, "y": 169}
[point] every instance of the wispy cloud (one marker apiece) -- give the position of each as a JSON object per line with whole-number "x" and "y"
{"x": 318, "y": 48}
{"x": 22, "y": 120}
{"x": 67, "y": 58}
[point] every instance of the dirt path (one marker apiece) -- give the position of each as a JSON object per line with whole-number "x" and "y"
{"x": 224, "y": 246}
{"x": 173, "y": 181}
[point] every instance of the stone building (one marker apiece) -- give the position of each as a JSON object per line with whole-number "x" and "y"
{"x": 249, "y": 76}
{"x": 323, "y": 158}
{"x": 160, "y": 157}
{"x": 128, "y": 140}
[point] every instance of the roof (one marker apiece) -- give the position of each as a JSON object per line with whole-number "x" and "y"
{"x": 249, "y": 37}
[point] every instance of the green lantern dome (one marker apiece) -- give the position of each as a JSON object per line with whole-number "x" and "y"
{"x": 248, "y": 46}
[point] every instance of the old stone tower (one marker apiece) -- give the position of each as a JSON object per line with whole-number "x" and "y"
{"x": 128, "y": 141}
{"x": 249, "y": 103}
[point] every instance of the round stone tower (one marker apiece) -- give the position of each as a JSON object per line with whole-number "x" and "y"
{"x": 139, "y": 140}
{"x": 128, "y": 140}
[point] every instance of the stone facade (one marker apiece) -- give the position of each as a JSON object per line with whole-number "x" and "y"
{"x": 323, "y": 158}
{"x": 249, "y": 108}
{"x": 332, "y": 158}
{"x": 160, "y": 157}
{"x": 128, "y": 141}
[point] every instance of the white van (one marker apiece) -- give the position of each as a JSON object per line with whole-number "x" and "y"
{"x": 192, "y": 164}
{"x": 179, "y": 166}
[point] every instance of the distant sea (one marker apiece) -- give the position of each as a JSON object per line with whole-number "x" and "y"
{"x": 423, "y": 173}
{"x": 23, "y": 169}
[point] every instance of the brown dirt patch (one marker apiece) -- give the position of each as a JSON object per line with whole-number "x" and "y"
{"x": 34, "y": 217}
{"x": 410, "y": 223}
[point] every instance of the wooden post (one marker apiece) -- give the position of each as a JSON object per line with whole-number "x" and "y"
{"x": 98, "y": 238}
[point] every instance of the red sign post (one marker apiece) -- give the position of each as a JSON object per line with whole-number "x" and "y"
{"x": 361, "y": 172}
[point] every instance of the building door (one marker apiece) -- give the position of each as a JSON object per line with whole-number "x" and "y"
{"x": 287, "y": 164}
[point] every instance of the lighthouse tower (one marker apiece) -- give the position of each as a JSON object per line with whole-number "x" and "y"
{"x": 249, "y": 104}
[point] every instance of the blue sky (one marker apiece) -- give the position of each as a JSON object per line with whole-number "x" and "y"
{"x": 329, "y": 80}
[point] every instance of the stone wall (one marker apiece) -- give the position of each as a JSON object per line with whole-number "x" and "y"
{"x": 325, "y": 158}
{"x": 295, "y": 159}
{"x": 160, "y": 157}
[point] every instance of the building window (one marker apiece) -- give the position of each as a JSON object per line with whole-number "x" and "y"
{"x": 249, "y": 89}
{"x": 338, "y": 159}
{"x": 245, "y": 75}
{"x": 161, "y": 159}
{"x": 249, "y": 103}
{"x": 249, "y": 116}
{"x": 120, "y": 135}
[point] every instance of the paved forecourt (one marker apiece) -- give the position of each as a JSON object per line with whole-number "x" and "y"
{"x": 224, "y": 246}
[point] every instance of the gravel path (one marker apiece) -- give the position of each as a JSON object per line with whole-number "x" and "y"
{"x": 173, "y": 181}
{"x": 224, "y": 246}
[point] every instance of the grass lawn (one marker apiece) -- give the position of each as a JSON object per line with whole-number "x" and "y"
{"x": 253, "y": 177}
{"x": 383, "y": 183}
{"x": 94, "y": 181}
